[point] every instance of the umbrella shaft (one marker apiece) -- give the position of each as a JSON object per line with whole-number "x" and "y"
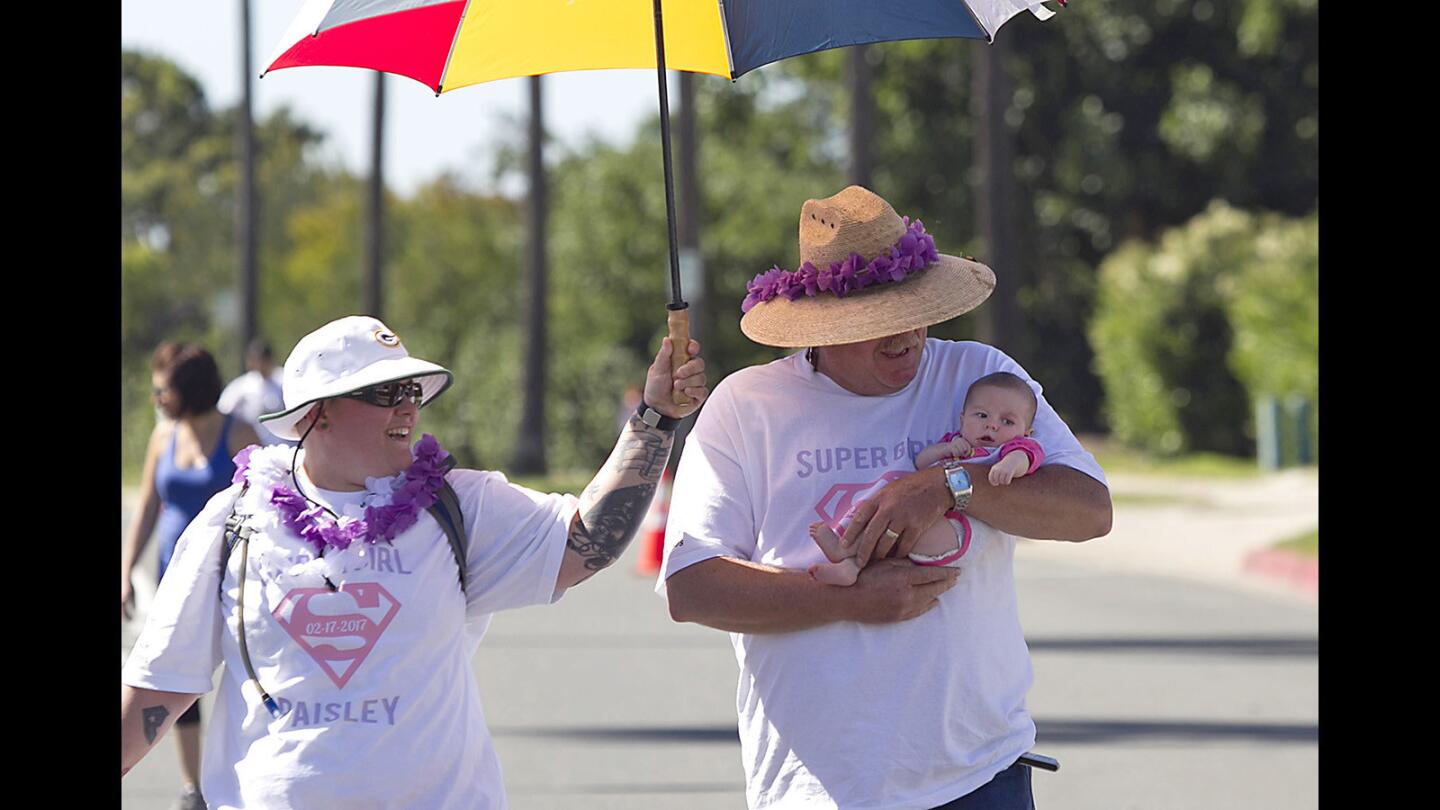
{"x": 675, "y": 296}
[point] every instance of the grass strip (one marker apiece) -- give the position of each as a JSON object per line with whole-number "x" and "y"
{"x": 1304, "y": 543}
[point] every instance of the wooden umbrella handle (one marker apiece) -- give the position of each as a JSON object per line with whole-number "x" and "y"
{"x": 679, "y": 322}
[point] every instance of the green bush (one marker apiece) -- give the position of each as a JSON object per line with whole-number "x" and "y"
{"x": 1189, "y": 332}
{"x": 1131, "y": 305}
{"x": 1274, "y": 310}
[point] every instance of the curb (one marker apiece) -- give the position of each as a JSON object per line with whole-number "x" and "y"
{"x": 1299, "y": 571}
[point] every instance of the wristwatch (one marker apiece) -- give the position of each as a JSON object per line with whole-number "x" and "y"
{"x": 654, "y": 418}
{"x": 958, "y": 480}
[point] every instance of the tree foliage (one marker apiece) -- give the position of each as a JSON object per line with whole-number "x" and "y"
{"x": 1127, "y": 117}
{"x": 179, "y": 178}
{"x": 1193, "y": 329}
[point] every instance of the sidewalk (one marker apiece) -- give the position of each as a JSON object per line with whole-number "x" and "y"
{"x": 1210, "y": 530}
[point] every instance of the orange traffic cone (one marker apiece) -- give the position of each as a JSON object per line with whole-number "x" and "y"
{"x": 652, "y": 531}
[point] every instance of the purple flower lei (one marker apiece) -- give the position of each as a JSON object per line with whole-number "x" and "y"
{"x": 416, "y": 491}
{"x": 914, "y": 251}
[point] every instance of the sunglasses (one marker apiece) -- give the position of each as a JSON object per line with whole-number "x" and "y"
{"x": 388, "y": 395}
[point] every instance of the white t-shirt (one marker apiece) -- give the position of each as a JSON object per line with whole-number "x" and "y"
{"x": 905, "y": 715}
{"x": 379, "y": 706}
{"x": 252, "y": 394}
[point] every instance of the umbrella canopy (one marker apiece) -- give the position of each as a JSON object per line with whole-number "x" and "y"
{"x": 449, "y": 44}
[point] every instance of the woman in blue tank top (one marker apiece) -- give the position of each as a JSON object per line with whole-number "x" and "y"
{"x": 189, "y": 459}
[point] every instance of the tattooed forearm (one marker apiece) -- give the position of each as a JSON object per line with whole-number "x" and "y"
{"x": 152, "y": 719}
{"x": 614, "y": 504}
{"x": 642, "y": 449}
{"x": 601, "y": 534}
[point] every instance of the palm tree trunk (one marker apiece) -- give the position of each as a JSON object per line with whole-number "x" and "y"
{"x": 245, "y": 207}
{"x": 861, "y": 115}
{"x": 375, "y": 234}
{"x": 530, "y": 444}
{"x": 995, "y": 192}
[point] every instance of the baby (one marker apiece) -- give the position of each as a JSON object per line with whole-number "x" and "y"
{"x": 995, "y": 424}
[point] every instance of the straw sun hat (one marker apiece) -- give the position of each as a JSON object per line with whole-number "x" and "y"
{"x": 852, "y": 231}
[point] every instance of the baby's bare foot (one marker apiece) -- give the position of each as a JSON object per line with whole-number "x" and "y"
{"x": 828, "y": 542}
{"x": 843, "y": 574}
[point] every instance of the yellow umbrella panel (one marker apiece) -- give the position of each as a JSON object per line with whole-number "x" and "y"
{"x": 449, "y": 44}
{"x": 500, "y": 39}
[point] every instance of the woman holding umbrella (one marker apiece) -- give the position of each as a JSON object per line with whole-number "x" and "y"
{"x": 345, "y": 584}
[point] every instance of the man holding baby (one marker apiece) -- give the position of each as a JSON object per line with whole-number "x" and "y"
{"x": 905, "y": 687}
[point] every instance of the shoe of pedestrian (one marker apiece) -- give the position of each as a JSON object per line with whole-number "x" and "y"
{"x": 190, "y": 799}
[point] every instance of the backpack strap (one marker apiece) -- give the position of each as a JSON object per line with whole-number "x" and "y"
{"x": 446, "y": 511}
{"x": 235, "y": 532}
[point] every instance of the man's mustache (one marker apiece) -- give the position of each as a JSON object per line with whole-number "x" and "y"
{"x": 901, "y": 344}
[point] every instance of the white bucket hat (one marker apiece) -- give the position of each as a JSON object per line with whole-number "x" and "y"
{"x": 346, "y": 355}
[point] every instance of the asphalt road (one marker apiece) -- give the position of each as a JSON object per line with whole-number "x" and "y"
{"x": 1153, "y": 690}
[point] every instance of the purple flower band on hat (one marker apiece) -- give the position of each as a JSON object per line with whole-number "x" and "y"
{"x": 914, "y": 251}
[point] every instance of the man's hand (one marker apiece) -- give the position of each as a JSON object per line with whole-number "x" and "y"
{"x": 897, "y": 590}
{"x": 890, "y": 524}
{"x": 660, "y": 384}
{"x": 740, "y": 596}
{"x": 1015, "y": 464}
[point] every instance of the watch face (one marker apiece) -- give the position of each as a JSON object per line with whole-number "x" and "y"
{"x": 958, "y": 480}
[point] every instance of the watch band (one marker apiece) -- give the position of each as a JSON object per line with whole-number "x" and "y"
{"x": 958, "y": 481}
{"x": 654, "y": 418}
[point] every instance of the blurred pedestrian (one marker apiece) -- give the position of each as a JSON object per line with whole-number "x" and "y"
{"x": 906, "y": 689}
{"x": 371, "y": 569}
{"x": 187, "y": 461}
{"x": 163, "y": 356}
{"x": 257, "y": 391}
{"x": 629, "y": 401}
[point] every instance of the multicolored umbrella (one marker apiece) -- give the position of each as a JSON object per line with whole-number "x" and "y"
{"x": 449, "y": 44}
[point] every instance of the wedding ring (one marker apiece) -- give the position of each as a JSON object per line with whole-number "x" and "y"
{"x": 891, "y": 533}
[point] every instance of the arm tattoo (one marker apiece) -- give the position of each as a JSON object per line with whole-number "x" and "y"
{"x": 602, "y": 533}
{"x": 615, "y": 502}
{"x": 643, "y": 451}
{"x": 153, "y": 718}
